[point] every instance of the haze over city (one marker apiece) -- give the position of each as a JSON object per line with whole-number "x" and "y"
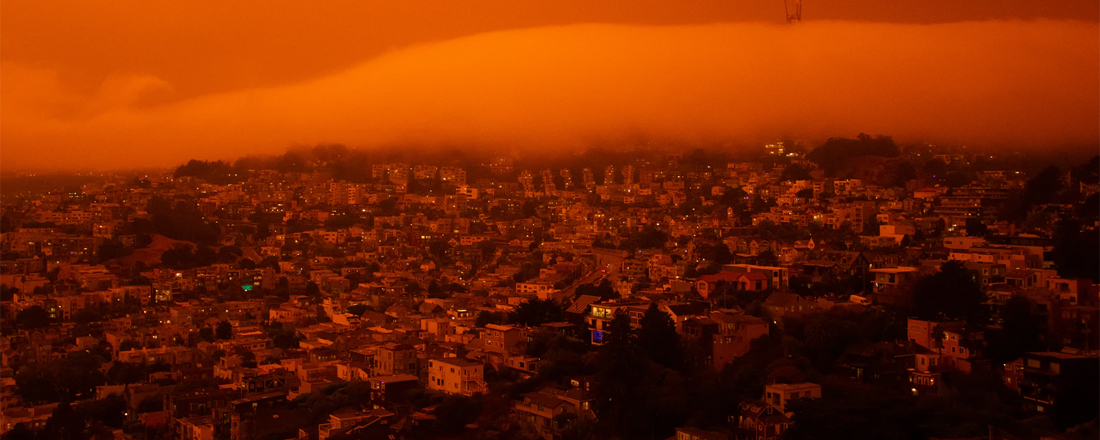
{"x": 571, "y": 220}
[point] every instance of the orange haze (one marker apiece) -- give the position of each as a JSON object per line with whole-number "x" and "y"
{"x": 1031, "y": 83}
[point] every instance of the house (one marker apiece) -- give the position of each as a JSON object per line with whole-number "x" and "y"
{"x": 690, "y": 433}
{"x": 778, "y": 277}
{"x": 680, "y": 312}
{"x": 524, "y": 364}
{"x": 392, "y": 388}
{"x": 734, "y": 336}
{"x": 503, "y": 341}
{"x": 550, "y": 410}
{"x": 1061, "y": 384}
{"x": 345, "y": 420}
{"x": 456, "y": 376}
{"x": 779, "y": 394}
{"x": 541, "y": 289}
{"x": 752, "y": 282}
{"x": 876, "y": 363}
{"x": 707, "y": 284}
{"x": 599, "y": 319}
{"x": 890, "y": 284}
{"x": 780, "y": 304}
{"x": 955, "y": 347}
{"x": 761, "y": 421}
{"x": 393, "y": 358}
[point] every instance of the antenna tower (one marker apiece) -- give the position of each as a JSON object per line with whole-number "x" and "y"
{"x": 793, "y": 10}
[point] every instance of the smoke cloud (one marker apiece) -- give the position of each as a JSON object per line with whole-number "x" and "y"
{"x": 1019, "y": 84}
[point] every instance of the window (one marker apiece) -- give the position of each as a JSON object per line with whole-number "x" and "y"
{"x": 1033, "y": 363}
{"x": 1055, "y": 368}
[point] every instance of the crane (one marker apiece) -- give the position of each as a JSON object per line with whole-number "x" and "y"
{"x": 793, "y": 9}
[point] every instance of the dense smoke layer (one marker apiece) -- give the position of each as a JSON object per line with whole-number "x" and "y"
{"x": 1027, "y": 84}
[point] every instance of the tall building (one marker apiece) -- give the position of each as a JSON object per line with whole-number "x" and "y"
{"x": 527, "y": 181}
{"x": 567, "y": 176}
{"x": 548, "y": 182}
{"x": 628, "y": 174}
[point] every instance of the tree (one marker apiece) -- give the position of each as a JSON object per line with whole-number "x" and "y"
{"x": 207, "y": 334}
{"x": 836, "y": 153}
{"x": 313, "y": 290}
{"x": 20, "y": 432}
{"x": 358, "y": 309}
{"x": 110, "y": 250}
{"x": 35, "y": 385}
{"x": 658, "y": 337}
{"x": 902, "y": 174}
{"x": 150, "y": 404}
{"x": 217, "y": 172}
{"x": 767, "y": 258}
{"x": 620, "y": 381}
{"x": 937, "y": 338}
{"x": 605, "y": 291}
{"x": 66, "y": 424}
{"x": 86, "y": 316}
{"x": 855, "y": 411}
{"x": 1019, "y": 333}
{"x": 784, "y": 371}
{"x": 435, "y": 291}
{"x": 952, "y": 293}
{"x": 1076, "y": 251}
{"x": 224, "y": 330}
{"x": 108, "y": 410}
{"x": 181, "y": 221}
{"x": 246, "y": 263}
{"x": 794, "y": 172}
{"x": 455, "y": 412}
{"x": 32, "y": 317}
{"x": 485, "y": 317}
{"x": 975, "y": 228}
{"x": 536, "y": 312}
{"x": 7, "y": 293}
{"x": 1044, "y": 187}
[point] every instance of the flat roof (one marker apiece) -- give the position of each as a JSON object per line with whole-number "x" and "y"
{"x": 458, "y": 362}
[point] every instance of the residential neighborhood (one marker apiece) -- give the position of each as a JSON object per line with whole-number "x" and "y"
{"x": 334, "y": 294}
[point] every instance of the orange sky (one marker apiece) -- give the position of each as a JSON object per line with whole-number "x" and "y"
{"x": 86, "y": 85}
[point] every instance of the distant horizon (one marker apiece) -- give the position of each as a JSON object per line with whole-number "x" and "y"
{"x": 1050, "y": 156}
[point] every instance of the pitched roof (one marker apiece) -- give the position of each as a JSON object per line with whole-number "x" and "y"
{"x": 581, "y": 304}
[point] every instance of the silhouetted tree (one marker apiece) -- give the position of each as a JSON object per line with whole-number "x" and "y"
{"x": 975, "y": 228}
{"x": 620, "y": 382}
{"x": 794, "y": 172}
{"x": 952, "y": 293}
{"x": 224, "y": 330}
{"x": 836, "y": 153}
{"x": 207, "y": 334}
{"x": 536, "y": 312}
{"x": 1076, "y": 251}
{"x": 658, "y": 337}
{"x": 1019, "y": 331}
{"x": 485, "y": 317}
{"x": 32, "y": 317}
